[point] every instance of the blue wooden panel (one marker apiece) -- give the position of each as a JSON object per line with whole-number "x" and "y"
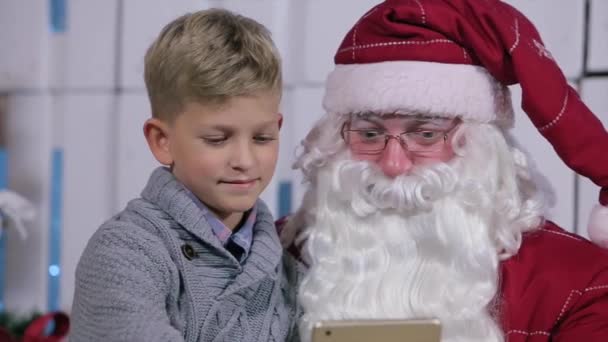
{"x": 58, "y": 15}
{"x": 54, "y": 264}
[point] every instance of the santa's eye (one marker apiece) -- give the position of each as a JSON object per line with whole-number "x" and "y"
{"x": 370, "y": 134}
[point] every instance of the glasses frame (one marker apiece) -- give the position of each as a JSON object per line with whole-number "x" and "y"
{"x": 398, "y": 137}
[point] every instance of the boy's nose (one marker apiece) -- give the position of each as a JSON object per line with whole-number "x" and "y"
{"x": 395, "y": 160}
{"x": 242, "y": 157}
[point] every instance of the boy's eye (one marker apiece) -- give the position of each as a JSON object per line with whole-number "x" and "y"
{"x": 263, "y": 139}
{"x": 215, "y": 140}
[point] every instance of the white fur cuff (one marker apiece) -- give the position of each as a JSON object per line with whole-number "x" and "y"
{"x": 598, "y": 225}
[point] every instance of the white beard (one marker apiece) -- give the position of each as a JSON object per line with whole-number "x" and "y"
{"x": 425, "y": 245}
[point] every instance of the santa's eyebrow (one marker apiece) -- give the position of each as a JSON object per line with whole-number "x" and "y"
{"x": 412, "y": 122}
{"x": 366, "y": 115}
{"x": 415, "y": 124}
{"x": 435, "y": 123}
{"x": 369, "y": 117}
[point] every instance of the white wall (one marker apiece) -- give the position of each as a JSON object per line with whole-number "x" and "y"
{"x": 80, "y": 91}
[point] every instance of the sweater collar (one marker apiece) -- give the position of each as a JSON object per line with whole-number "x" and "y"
{"x": 164, "y": 190}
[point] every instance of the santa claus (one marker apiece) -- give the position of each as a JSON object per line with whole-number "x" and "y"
{"x": 420, "y": 206}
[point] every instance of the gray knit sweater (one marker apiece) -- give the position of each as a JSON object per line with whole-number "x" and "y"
{"x": 156, "y": 272}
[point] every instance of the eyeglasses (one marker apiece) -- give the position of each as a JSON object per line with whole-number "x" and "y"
{"x": 373, "y": 140}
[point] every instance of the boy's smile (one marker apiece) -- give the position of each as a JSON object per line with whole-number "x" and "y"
{"x": 239, "y": 185}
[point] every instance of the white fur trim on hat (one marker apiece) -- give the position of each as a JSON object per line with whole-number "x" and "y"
{"x": 598, "y": 225}
{"x": 428, "y": 88}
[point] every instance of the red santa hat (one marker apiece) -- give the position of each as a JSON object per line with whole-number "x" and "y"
{"x": 455, "y": 58}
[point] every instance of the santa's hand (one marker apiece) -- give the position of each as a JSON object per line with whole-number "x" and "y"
{"x": 287, "y": 230}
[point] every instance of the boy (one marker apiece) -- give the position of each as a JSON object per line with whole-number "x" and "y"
{"x": 197, "y": 257}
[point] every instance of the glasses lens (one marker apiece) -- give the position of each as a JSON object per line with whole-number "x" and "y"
{"x": 426, "y": 136}
{"x": 424, "y": 141}
{"x": 366, "y": 140}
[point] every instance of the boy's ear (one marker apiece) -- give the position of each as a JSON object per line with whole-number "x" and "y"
{"x": 280, "y": 120}
{"x": 157, "y": 134}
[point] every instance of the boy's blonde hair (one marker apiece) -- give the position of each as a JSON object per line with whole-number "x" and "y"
{"x": 208, "y": 57}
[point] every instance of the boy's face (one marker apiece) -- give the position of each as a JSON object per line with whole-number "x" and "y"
{"x": 226, "y": 155}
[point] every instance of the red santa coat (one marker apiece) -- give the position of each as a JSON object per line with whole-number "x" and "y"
{"x": 555, "y": 289}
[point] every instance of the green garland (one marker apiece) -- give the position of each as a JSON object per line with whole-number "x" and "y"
{"x": 16, "y": 324}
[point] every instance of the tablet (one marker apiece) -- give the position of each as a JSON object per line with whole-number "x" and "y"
{"x": 424, "y": 330}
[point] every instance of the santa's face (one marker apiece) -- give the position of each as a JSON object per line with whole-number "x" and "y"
{"x": 424, "y": 243}
{"x": 397, "y": 143}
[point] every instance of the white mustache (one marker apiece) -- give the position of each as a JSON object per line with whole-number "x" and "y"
{"x": 369, "y": 190}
